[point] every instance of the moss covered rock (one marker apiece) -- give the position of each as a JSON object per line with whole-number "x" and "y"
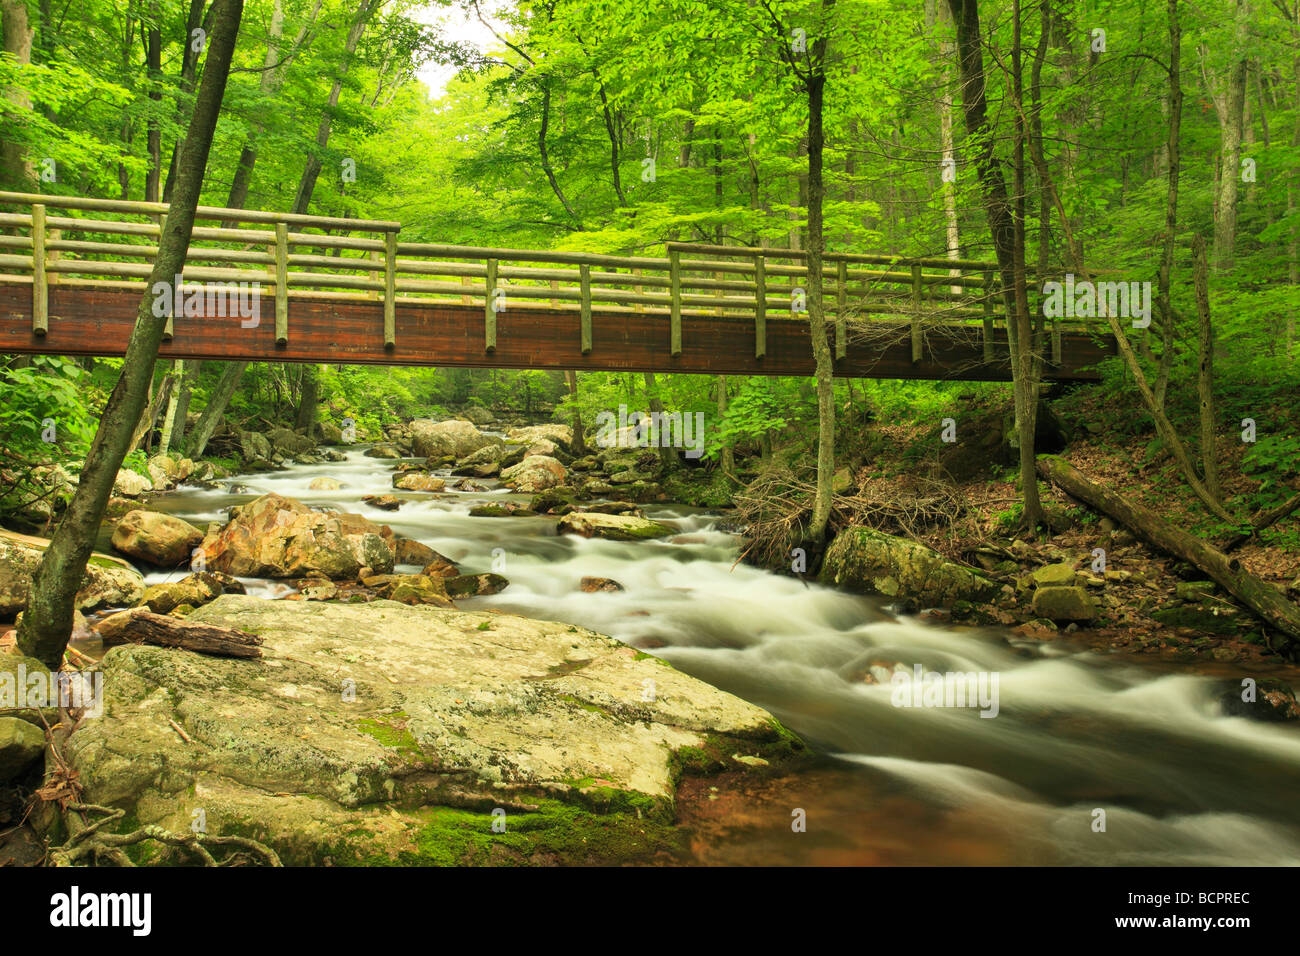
{"x": 872, "y": 562}
{"x": 381, "y": 733}
{"x": 106, "y": 583}
{"x": 1064, "y": 604}
{"x": 621, "y": 527}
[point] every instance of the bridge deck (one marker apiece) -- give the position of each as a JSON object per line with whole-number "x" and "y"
{"x": 72, "y": 284}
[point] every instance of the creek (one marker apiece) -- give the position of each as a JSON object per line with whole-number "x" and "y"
{"x": 1075, "y": 730}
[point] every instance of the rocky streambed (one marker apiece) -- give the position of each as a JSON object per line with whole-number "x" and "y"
{"x": 437, "y": 652}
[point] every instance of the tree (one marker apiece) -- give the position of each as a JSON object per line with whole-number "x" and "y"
{"x": 47, "y": 623}
{"x": 1008, "y": 245}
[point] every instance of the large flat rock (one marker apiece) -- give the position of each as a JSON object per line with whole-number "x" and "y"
{"x": 386, "y": 733}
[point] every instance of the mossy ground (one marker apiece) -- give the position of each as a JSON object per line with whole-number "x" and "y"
{"x": 555, "y": 833}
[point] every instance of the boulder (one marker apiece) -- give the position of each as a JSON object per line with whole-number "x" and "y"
{"x": 194, "y": 589}
{"x": 162, "y": 472}
{"x": 21, "y": 745}
{"x": 1213, "y": 619}
{"x": 382, "y": 502}
{"x": 1195, "y": 591}
{"x": 324, "y": 483}
{"x": 456, "y": 438}
{"x": 130, "y": 484}
{"x": 383, "y": 450}
{"x": 1054, "y": 575}
{"x": 543, "y": 446}
{"x": 872, "y": 562}
{"x": 534, "y": 474}
{"x": 417, "y": 481}
{"x": 277, "y": 537}
{"x": 1064, "y": 604}
{"x": 501, "y": 509}
{"x": 441, "y": 567}
{"x": 623, "y": 527}
{"x": 411, "y": 588}
{"x": 558, "y": 500}
{"x": 478, "y": 415}
{"x": 450, "y": 714}
{"x": 415, "y": 552}
{"x": 25, "y": 684}
{"x": 106, "y": 583}
{"x": 469, "y": 585}
{"x": 1267, "y": 700}
{"x": 253, "y": 446}
{"x": 289, "y": 442}
{"x": 327, "y": 433}
{"x": 562, "y": 435}
{"x": 593, "y": 585}
{"x": 159, "y": 539}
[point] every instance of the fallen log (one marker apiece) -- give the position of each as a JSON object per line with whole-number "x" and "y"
{"x": 1266, "y": 519}
{"x": 1266, "y": 601}
{"x": 139, "y": 626}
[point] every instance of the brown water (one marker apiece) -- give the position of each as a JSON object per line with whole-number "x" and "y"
{"x": 1074, "y": 732}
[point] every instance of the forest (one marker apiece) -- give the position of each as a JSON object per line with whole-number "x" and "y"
{"x": 1117, "y": 175}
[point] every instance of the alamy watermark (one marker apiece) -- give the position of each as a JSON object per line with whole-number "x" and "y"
{"x": 646, "y": 430}
{"x": 1087, "y": 299}
{"x": 209, "y": 300}
{"x": 73, "y": 690}
{"x": 952, "y": 689}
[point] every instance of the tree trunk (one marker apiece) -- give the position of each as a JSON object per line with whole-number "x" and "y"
{"x": 1266, "y": 519}
{"x": 153, "y": 65}
{"x": 1205, "y": 370}
{"x": 824, "y": 364}
{"x": 169, "y": 416}
{"x": 1173, "y": 160}
{"x": 997, "y": 208}
{"x": 308, "y": 398}
{"x": 149, "y": 417}
{"x": 310, "y": 172}
{"x": 16, "y": 168}
{"x": 1261, "y": 597}
{"x": 47, "y": 624}
{"x": 667, "y": 458}
{"x": 184, "y": 392}
{"x": 936, "y": 12}
{"x": 579, "y": 443}
{"x": 728, "y": 456}
{"x": 231, "y": 373}
{"x": 1230, "y": 105}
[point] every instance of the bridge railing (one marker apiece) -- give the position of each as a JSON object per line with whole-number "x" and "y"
{"x": 103, "y": 243}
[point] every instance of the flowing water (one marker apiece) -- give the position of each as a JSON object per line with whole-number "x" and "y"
{"x": 1075, "y": 731}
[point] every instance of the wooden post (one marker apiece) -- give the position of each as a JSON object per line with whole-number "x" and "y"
{"x": 917, "y": 297}
{"x": 638, "y": 289}
{"x": 842, "y": 304}
{"x": 489, "y": 310}
{"x": 390, "y": 290}
{"x": 281, "y": 283}
{"x": 988, "y": 316}
{"x": 675, "y": 294}
{"x": 40, "y": 283}
{"x": 584, "y": 277}
{"x": 760, "y": 310}
{"x": 555, "y": 285}
{"x": 169, "y": 328}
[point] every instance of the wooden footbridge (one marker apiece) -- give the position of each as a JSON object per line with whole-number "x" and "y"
{"x": 266, "y": 286}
